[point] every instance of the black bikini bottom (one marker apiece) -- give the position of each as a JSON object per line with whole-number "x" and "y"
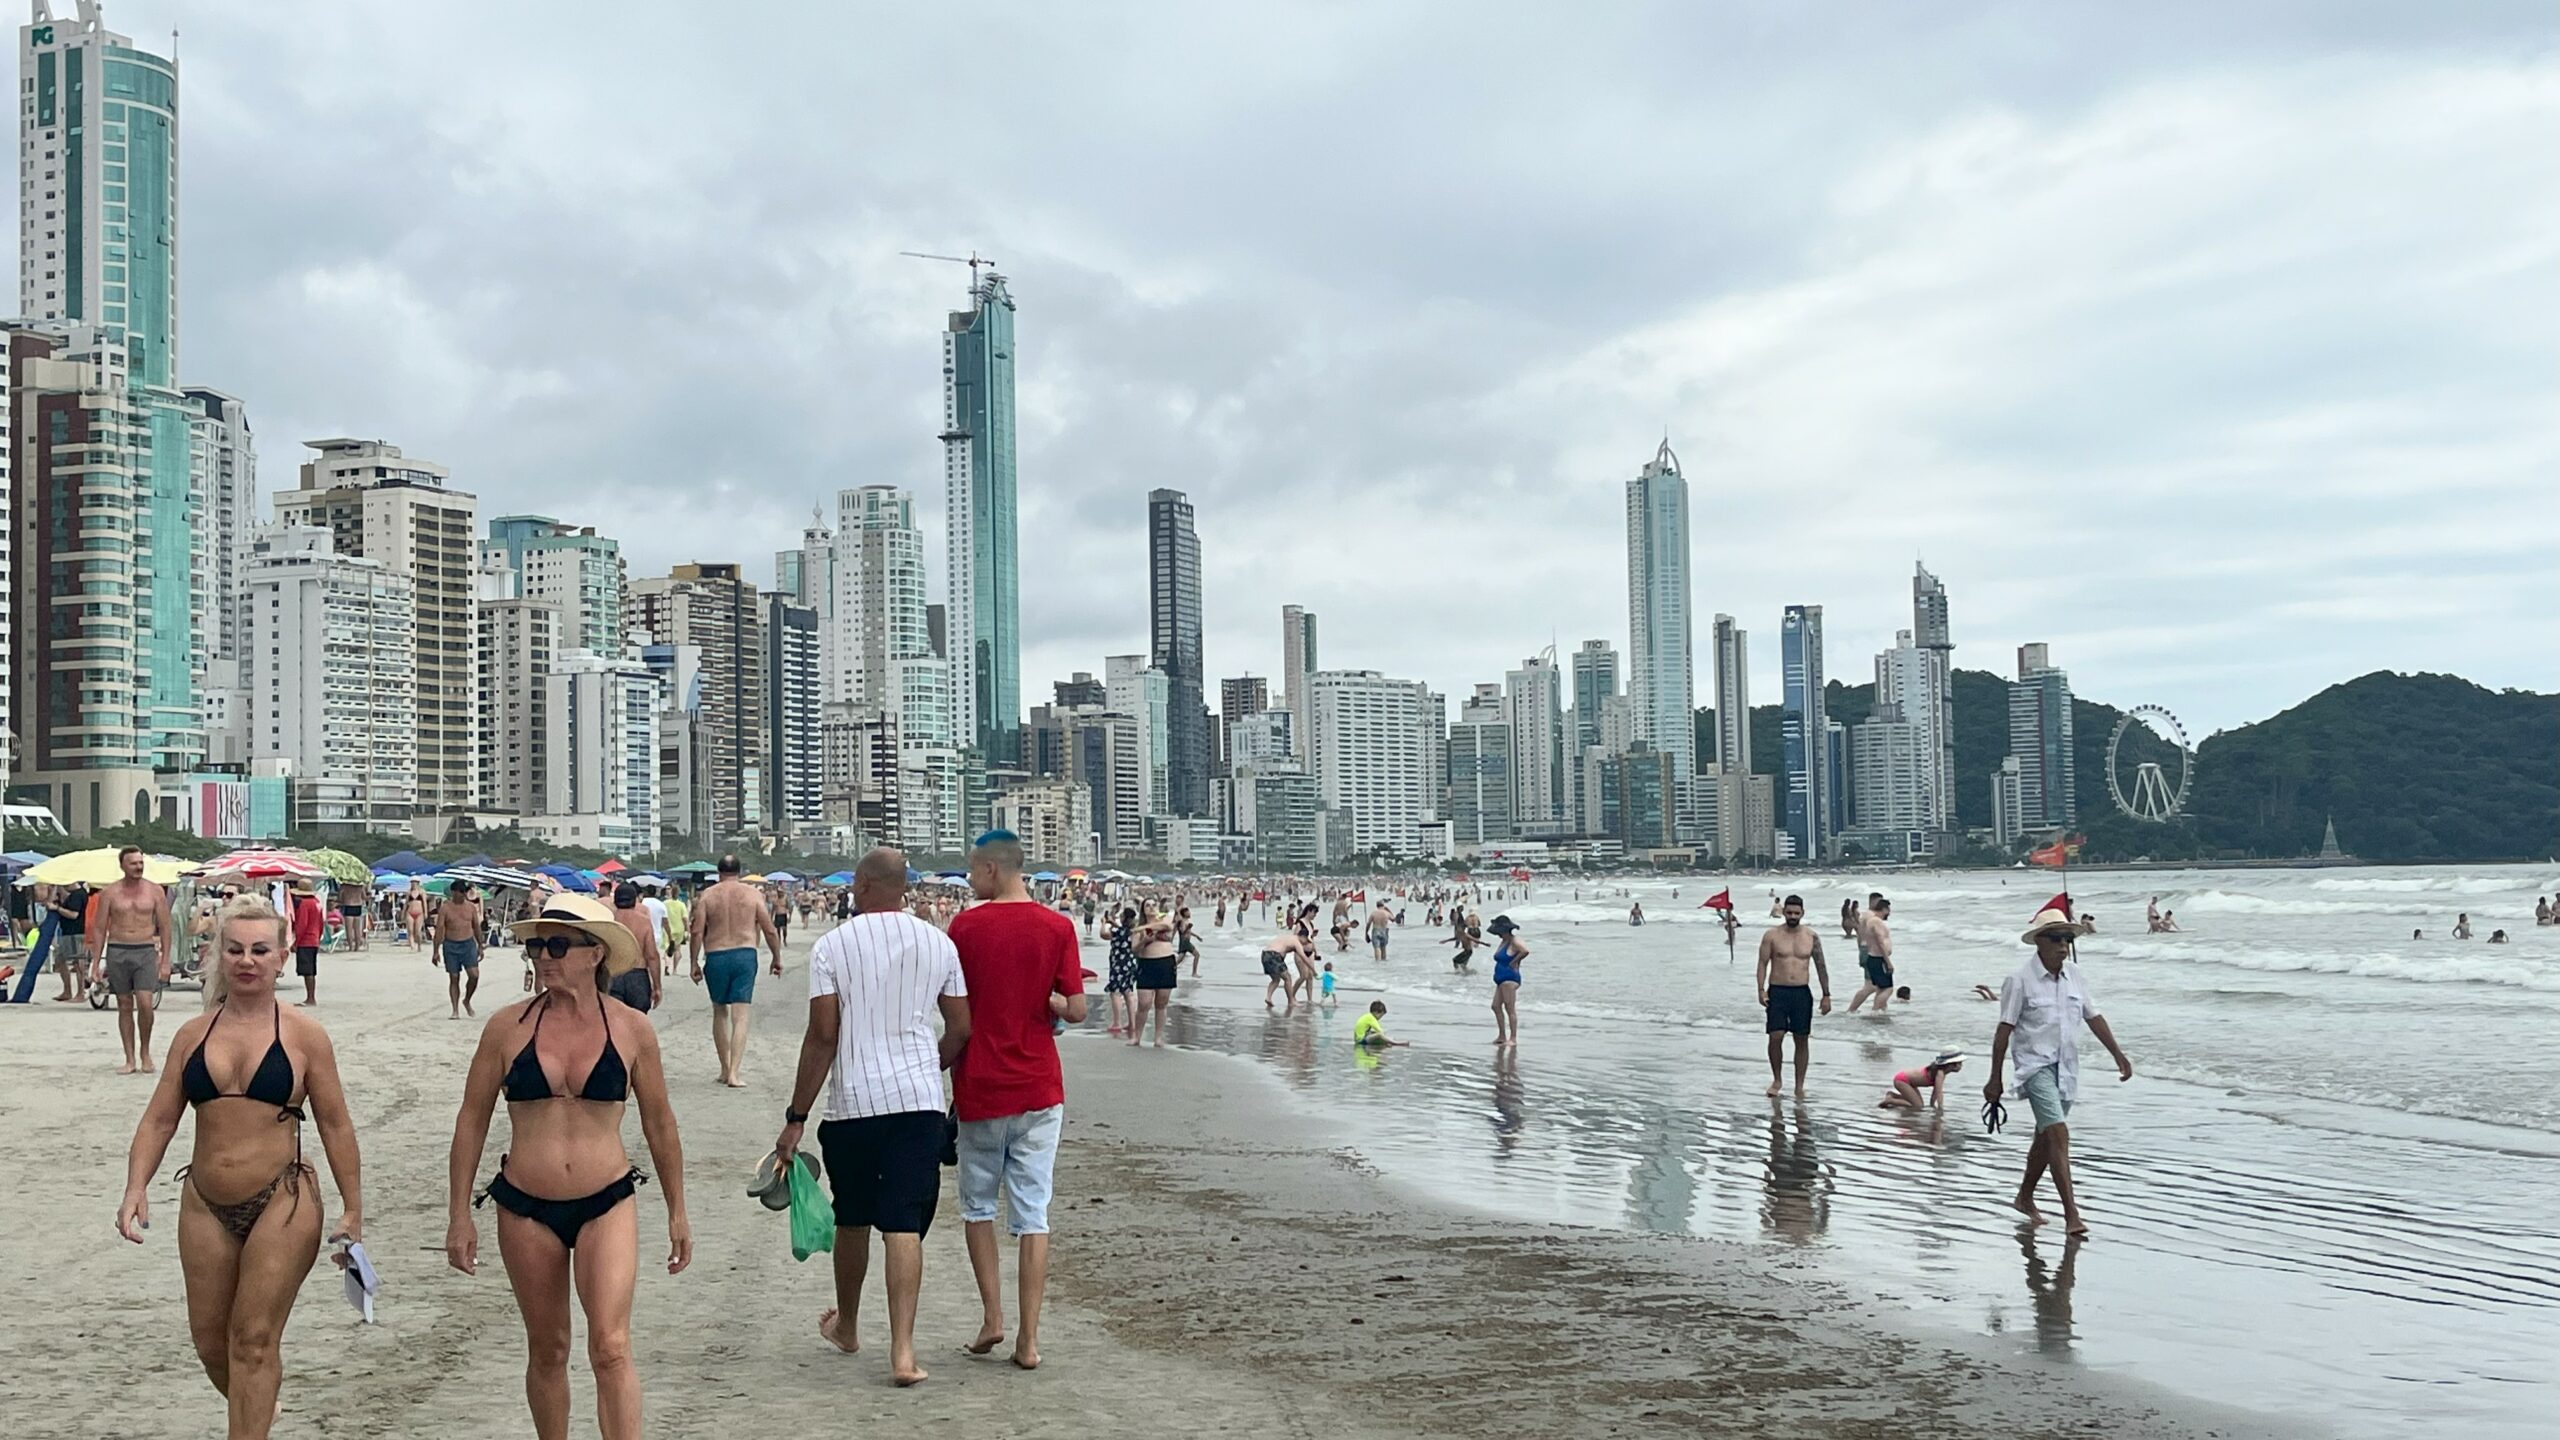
{"x": 241, "y": 1216}
{"x": 565, "y": 1217}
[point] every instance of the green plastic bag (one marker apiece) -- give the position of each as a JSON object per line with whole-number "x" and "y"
{"x": 813, "y": 1220}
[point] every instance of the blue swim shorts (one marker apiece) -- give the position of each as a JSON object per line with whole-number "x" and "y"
{"x": 461, "y": 955}
{"x": 730, "y": 975}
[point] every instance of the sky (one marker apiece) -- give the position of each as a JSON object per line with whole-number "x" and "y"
{"x": 2212, "y": 345}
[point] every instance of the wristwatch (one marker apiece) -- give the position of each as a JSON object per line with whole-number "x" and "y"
{"x": 794, "y": 1117}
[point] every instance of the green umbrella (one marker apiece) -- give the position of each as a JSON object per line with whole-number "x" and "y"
{"x": 341, "y": 866}
{"x": 436, "y": 884}
{"x": 691, "y": 867}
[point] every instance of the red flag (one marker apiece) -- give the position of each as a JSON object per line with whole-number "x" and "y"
{"x": 1721, "y": 900}
{"x": 2056, "y": 853}
{"x": 2061, "y": 902}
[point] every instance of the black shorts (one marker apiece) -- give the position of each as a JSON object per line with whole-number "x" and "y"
{"x": 886, "y": 1170}
{"x": 1877, "y": 969}
{"x": 306, "y": 960}
{"x": 1791, "y": 1009}
{"x": 1156, "y": 974}
{"x": 1274, "y": 965}
{"x": 631, "y": 987}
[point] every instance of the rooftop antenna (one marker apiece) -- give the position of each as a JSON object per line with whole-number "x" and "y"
{"x": 973, "y": 261}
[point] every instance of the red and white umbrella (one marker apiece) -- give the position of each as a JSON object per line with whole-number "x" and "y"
{"x": 262, "y": 864}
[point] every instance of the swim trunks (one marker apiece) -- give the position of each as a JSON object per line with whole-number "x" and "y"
{"x": 460, "y": 955}
{"x": 306, "y": 960}
{"x": 132, "y": 969}
{"x": 1791, "y": 1009}
{"x": 1274, "y": 965}
{"x": 1156, "y": 972}
{"x": 730, "y": 975}
{"x": 1878, "y": 970}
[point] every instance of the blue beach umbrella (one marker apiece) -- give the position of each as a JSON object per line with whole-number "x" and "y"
{"x": 1045, "y": 875}
{"x": 570, "y": 878}
{"x": 841, "y": 877}
{"x": 407, "y": 862}
{"x": 782, "y": 877}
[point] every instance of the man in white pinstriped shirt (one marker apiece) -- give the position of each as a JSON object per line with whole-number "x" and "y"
{"x": 876, "y": 982}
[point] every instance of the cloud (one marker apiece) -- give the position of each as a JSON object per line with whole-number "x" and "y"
{"x": 2176, "y": 337}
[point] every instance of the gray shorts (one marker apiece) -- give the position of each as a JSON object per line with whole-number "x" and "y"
{"x": 132, "y": 969}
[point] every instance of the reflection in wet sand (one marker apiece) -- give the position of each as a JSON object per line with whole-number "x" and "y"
{"x": 1510, "y": 1112}
{"x": 1796, "y": 1199}
{"x": 2049, "y": 1291}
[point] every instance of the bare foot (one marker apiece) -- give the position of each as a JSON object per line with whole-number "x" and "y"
{"x": 1799, "y": 1092}
{"x": 1159, "y": 1042}
{"x": 125, "y": 1069}
{"x": 1027, "y": 1359}
{"x": 146, "y": 1065}
{"x": 827, "y": 1332}
{"x": 989, "y": 1337}
{"x": 906, "y": 1375}
{"x": 2027, "y": 1207}
{"x": 1772, "y": 1091}
{"x": 467, "y": 1010}
{"x": 734, "y": 1083}
{"x": 2072, "y": 1224}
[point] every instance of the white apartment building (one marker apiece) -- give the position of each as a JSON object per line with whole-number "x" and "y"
{"x": 1054, "y": 819}
{"x": 330, "y": 674}
{"x": 384, "y": 506}
{"x": 1908, "y": 681}
{"x": 519, "y": 640}
{"x": 1377, "y": 747}
{"x": 1144, "y": 694}
{"x": 879, "y": 598}
{"x": 600, "y": 730}
{"x": 1533, "y": 705}
{"x": 222, "y": 482}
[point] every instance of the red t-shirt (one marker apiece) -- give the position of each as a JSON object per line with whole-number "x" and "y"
{"x": 307, "y": 922}
{"x": 1014, "y": 956}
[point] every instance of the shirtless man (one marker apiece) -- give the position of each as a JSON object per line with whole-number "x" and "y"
{"x": 727, "y": 920}
{"x": 133, "y": 954}
{"x": 1875, "y": 956}
{"x": 1277, "y": 957}
{"x": 1785, "y": 949}
{"x": 458, "y": 945}
{"x": 1380, "y": 921}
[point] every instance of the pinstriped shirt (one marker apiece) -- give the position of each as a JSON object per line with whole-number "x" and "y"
{"x": 887, "y": 970}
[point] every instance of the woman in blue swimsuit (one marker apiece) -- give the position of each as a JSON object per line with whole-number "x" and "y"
{"x": 249, "y": 1210}
{"x": 1508, "y": 951}
{"x": 564, "y": 1191}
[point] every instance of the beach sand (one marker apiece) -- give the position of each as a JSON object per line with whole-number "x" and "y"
{"x": 1219, "y": 1268}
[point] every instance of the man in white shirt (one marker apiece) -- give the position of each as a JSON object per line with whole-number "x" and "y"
{"x": 2041, "y": 1010}
{"x": 875, "y": 984}
{"x": 657, "y": 909}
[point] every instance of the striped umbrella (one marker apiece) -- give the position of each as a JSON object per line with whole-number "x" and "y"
{"x": 261, "y": 864}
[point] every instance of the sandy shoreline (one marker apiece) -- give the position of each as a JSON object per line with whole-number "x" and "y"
{"x": 1219, "y": 1269}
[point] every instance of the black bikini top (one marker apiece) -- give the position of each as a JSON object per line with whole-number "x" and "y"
{"x": 606, "y": 1079}
{"x": 272, "y": 1082}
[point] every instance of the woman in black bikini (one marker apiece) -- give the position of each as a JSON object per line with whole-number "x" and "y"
{"x": 249, "y": 1212}
{"x": 564, "y": 1194}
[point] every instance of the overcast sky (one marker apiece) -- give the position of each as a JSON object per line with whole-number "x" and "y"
{"x": 2214, "y": 345}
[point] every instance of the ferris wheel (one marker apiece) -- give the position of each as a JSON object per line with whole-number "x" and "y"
{"x": 2152, "y": 798}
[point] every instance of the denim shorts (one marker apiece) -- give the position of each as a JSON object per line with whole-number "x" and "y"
{"x": 1017, "y": 1153}
{"x": 2043, "y": 1094}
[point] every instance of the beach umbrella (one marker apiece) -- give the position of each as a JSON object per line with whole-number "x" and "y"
{"x": 783, "y": 877}
{"x": 436, "y": 884}
{"x": 841, "y": 877}
{"x": 692, "y": 867}
{"x": 407, "y": 862}
{"x": 950, "y": 874}
{"x": 341, "y": 867}
{"x": 752, "y": 879}
{"x": 570, "y": 878}
{"x": 1045, "y": 875}
{"x": 98, "y": 867}
{"x": 25, "y": 858}
{"x": 1075, "y": 874}
{"x": 611, "y": 867}
{"x": 261, "y": 863}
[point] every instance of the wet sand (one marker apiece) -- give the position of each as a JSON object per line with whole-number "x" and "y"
{"x": 1219, "y": 1269}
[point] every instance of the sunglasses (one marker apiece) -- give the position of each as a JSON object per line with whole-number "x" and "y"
{"x": 2059, "y": 937}
{"x": 556, "y": 946}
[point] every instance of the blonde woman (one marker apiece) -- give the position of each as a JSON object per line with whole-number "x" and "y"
{"x": 567, "y": 1208}
{"x": 249, "y": 1213}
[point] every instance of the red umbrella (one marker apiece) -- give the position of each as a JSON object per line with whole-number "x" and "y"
{"x": 611, "y": 867}
{"x": 263, "y": 864}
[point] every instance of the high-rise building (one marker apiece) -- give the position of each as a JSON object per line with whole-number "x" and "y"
{"x": 98, "y": 187}
{"x": 861, "y": 781}
{"x": 1106, "y": 755}
{"x": 806, "y": 576}
{"x": 1661, "y": 687}
{"x": 714, "y": 609}
{"x": 1238, "y": 696}
{"x": 380, "y": 504}
{"x": 985, "y": 615}
{"x": 1054, "y": 819}
{"x": 795, "y": 778}
{"x": 1804, "y": 736}
{"x": 1595, "y": 687}
{"x": 877, "y": 614}
{"x": 1478, "y": 796}
{"x": 2040, "y": 738}
{"x": 1173, "y": 615}
{"x": 1297, "y": 662}
{"x": 330, "y": 672}
{"x": 1145, "y": 694}
{"x": 224, "y": 458}
{"x": 572, "y": 567}
{"x": 1377, "y": 748}
{"x": 519, "y": 642}
{"x": 1906, "y": 694}
{"x": 600, "y": 728}
{"x": 1930, "y": 631}
{"x": 2008, "y": 803}
{"x": 1533, "y": 703}
{"x": 1733, "y": 836}
{"x": 1647, "y": 807}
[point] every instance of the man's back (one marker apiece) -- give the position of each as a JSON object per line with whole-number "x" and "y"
{"x": 888, "y": 971}
{"x": 727, "y": 915}
{"x": 1016, "y": 954}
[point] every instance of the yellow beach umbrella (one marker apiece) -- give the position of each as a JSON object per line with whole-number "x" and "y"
{"x": 98, "y": 867}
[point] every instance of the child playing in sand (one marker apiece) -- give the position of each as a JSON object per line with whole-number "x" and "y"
{"x": 1368, "y": 1033}
{"x": 1931, "y": 1077}
{"x": 1327, "y": 979}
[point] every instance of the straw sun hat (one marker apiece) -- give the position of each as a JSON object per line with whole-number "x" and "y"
{"x": 585, "y": 915}
{"x": 2051, "y": 917}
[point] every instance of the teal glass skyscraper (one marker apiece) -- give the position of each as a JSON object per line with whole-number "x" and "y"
{"x": 985, "y": 617}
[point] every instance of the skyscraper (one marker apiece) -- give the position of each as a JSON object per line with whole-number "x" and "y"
{"x": 1478, "y": 801}
{"x": 225, "y": 462}
{"x": 98, "y": 188}
{"x": 330, "y": 669}
{"x": 1929, "y": 630}
{"x": 1734, "y": 836}
{"x": 1661, "y": 689}
{"x": 1595, "y": 687}
{"x": 1297, "y": 662}
{"x": 1173, "y": 613}
{"x": 383, "y": 505}
{"x": 1907, "y": 693}
{"x": 2040, "y": 739}
{"x": 1238, "y": 696}
{"x": 713, "y": 610}
{"x": 1378, "y": 755}
{"x": 794, "y": 782}
{"x": 985, "y": 616}
{"x": 1804, "y": 734}
{"x": 1533, "y": 702}
{"x": 880, "y": 618}
{"x": 570, "y": 566}
{"x": 1145, "y": 694}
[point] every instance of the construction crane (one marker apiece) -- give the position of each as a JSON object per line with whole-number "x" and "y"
{"x": 973, "y": 261}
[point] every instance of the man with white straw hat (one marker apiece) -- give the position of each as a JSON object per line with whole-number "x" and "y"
{"x": 2042, "y": 1007}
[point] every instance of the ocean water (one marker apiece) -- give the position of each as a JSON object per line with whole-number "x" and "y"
{"x": 2332, "y": 1190}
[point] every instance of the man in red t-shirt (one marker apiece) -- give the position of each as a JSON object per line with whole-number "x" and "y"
{"x": 1007, "y": 1088}
{"x": 309, "y": 924}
